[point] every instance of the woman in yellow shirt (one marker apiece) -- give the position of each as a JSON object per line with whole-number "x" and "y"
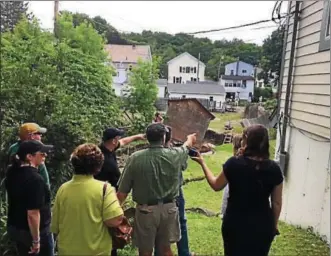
{"x": 81, "y": 214}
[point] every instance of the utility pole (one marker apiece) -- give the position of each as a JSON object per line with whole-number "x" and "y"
{"x": 56, "y": 13}
{"x": 198, "y": 68}
{"x": 219, "y": 68}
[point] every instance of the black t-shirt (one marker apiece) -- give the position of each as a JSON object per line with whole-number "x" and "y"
{"x": 109, "y": 171}
{"x": 250, "y": 187}
{"x": 27, "y": 191}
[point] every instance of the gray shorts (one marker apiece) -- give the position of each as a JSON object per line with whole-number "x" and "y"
{"x": 156, "y": 225}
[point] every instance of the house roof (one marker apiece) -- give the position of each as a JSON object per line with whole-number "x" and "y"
{"x": 197, "y": 88}
{"x": 185, "y": 53}
{"x": 161, "y": 82}
{"x": 128, "y": 53}
{"x": 225, "y": 77}
{"x": 209, "y": 114}
{"x": 239, "y": 62}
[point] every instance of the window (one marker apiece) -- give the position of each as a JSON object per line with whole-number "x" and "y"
{"x": 244, "y": 84}
{"x": 183, "y": 96}
{"x": 211, "y": 98}
{"x": 260, "y": 84}
{"x": 325, "y": 28}
{"x": 238, "y": 85}
{"x": 195, "y": 70}
{"x": 180, "y": 69}
{"x": 174, "y": 80}
{"x": 177, "y": 80}
{"x": 244, "y": 71}
{"x": 192, "y": 69}
{"x": 234, "y": 85}
{"x": 230, "y": 84}
{"x": 226, "y": 85}
{"x": 191, "y": 79}
{"x": 187, "y": 69}
{"x": 232, "y": 72}
{"x": 180, "y": 80}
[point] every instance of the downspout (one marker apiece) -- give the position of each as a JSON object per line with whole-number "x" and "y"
{"x": 283, "y": 154}
{"x": 281, "y": 72}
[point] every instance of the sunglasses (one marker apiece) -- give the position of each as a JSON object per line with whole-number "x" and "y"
{"x": 37, "y": 133}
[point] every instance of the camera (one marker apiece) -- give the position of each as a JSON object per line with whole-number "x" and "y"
{"x": 193, "y": 152}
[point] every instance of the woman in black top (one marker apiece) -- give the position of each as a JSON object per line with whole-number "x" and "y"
{"x": 250, "y": 222}
{"x": 29, "y": 202}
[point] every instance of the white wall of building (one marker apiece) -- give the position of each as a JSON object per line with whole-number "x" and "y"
{"x": 185, "y": 61}
{"x": 218, "y": 98}
{"x": 121, "y": 75}
{"x": 161, "y": 91}
{"x": 244, "y": 69}
{"x": 306, "y": 195}
{"x": 243, "y": 92}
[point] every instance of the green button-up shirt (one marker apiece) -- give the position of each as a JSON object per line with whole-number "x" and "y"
{"x": 153, "y": 174}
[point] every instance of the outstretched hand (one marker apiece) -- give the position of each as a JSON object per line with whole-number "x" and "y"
{"x": 199, "y": 159}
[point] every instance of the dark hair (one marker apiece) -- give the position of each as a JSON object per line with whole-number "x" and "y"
{"x": 87, "y": 159}
{"x": 168, "y": 134}
{"x": 256, "y": 141}
{"x": 155, "y": 133}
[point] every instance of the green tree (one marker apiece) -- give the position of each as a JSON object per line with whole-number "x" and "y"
{"x": 142, "y": 93}
{"x": 272, "y": 53}
{"x": 12, "y": 12}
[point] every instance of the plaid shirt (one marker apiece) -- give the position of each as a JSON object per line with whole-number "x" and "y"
{"x": 153, "y": 174}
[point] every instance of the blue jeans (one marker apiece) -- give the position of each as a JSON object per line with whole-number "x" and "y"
{"x": 182, "y": 245}
{"x": 23, "y": 241}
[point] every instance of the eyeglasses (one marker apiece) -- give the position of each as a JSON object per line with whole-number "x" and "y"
{"x": 37, "y": 133}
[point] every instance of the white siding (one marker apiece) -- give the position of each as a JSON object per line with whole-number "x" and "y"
{"x": 306, "y": 197}
{"x": 217, "y": 98}
{"x": 185, "y": 61}
{"x": 311, "y": 74}
{"x": 243, "y": 92}
{"x": 241, "y": 66}
{"x": 161, "y": 91}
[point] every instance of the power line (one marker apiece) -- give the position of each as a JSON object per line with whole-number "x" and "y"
{"x": 244, "y": 25}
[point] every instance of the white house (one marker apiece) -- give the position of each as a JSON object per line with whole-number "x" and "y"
{"x": 238, "y": 80}
{"x": 241, "y": 87}
{"x": 185, "y": 68}
{"x": 211, "y": 91}
{"x": 123, "y": 58}
{"x": 161, "y": 85}
{"x": 304, "y": 144}
{"x": 239, "y": 68}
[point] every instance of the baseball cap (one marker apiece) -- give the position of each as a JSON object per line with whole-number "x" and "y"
{"x": 30, "y": 128}
{"x": 111, "y": 133}
{"x": 32, "y": 147}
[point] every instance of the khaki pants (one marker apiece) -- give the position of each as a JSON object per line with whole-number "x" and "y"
{"x": 156, "y": 225}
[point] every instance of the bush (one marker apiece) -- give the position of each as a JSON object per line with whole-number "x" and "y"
{"x": 266, "y": 94}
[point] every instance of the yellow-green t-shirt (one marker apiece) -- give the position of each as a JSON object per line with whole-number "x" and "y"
{"x": 77, "y": 216}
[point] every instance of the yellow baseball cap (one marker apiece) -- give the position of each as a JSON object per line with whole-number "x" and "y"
{"x": 30, "y": 128}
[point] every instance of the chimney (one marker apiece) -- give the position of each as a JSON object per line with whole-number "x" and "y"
{"x": 237, "y": 68}
{"x": 133, "y": 46}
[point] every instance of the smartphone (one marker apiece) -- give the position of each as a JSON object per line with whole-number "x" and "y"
{"x": 193, "y": 152}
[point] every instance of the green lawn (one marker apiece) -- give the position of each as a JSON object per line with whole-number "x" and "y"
{"x": 205, "y": 232}
{"x": 221, "y": 118}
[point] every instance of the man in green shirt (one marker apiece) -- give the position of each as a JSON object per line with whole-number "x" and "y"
{"x": 30, "y": 131}
{"x": 153, "y": 174}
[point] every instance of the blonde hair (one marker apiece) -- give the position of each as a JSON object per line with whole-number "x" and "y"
{"x": 236, "y": 141}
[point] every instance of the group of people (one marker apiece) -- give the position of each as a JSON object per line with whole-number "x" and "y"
{"x": 91, "y": 202}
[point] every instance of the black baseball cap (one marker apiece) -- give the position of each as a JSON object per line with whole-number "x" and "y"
{"x": 112, "y": 133}
{"x": 32, "y": 147}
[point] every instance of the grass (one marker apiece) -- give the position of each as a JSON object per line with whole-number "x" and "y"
{"x": 205, "y": 232}
{"x": 222, "y": 118}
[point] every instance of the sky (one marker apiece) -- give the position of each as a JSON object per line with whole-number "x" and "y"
{"x": 172, "y": 16}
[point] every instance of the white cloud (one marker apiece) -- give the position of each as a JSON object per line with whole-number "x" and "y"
{"x": 172, "y": 16}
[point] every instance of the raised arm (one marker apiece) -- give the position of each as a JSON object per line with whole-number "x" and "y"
{"x": 216, "y": 183}
{"x": 127, "y": 140}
